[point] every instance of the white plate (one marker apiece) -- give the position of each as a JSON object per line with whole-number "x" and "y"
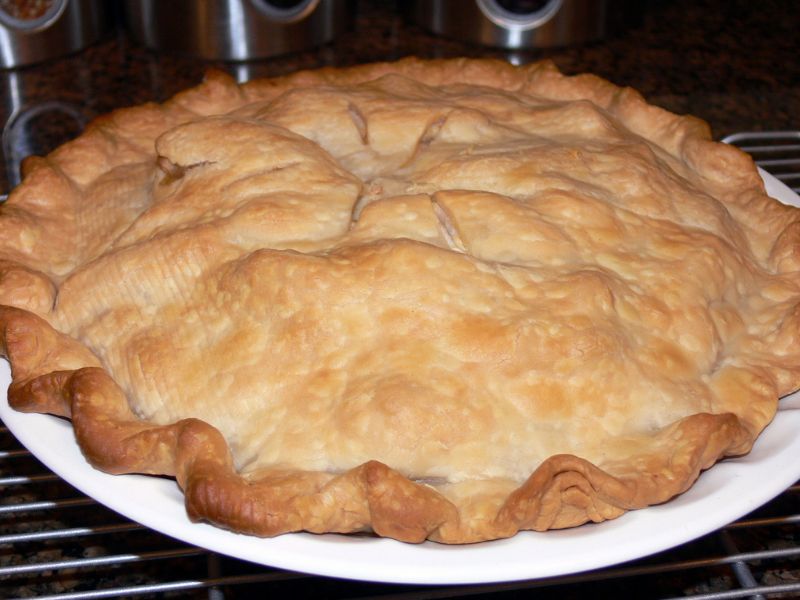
{"x": 724, "y": 493}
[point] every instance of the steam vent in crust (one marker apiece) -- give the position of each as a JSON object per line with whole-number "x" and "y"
{"x": 446, "y": 300}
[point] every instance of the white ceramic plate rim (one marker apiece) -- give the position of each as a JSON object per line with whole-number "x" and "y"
{"x": 723, "y": 494}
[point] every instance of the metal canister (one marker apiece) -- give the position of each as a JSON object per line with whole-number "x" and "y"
{"x": 32, "y": 31}
{"x": 518, "y": 24}
{"x": 236, "y": 29}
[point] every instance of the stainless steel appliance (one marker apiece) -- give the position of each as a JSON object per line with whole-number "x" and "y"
{"x": 55, "y": 28}
{"x": 236, "y": 29}
{"x": 519, "y": 24}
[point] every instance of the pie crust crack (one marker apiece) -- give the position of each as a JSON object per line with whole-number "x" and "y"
{"x": 434, "y": 300}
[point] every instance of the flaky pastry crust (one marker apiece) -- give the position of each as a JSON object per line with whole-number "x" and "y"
{"x": 444, "y": 300}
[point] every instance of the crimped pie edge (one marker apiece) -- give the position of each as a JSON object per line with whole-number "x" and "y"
{"x": 54, "y": 373}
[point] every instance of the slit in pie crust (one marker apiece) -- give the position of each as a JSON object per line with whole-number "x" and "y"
{"x": 444, "y": 300}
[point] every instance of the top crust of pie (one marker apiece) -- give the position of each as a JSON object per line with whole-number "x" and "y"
{"x": 443, "y": 300}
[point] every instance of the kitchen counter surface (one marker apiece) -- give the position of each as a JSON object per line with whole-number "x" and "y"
{"x": 733, "y": 63}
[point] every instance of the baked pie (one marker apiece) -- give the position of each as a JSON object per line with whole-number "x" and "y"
{"x": 444, "y": 300}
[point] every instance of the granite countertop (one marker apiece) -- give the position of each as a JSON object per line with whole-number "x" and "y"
{"x": 733, "y": 63}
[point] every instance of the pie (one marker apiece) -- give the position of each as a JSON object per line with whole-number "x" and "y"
{"x": 444, "y": 300}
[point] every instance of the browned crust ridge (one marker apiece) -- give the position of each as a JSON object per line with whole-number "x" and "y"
{"x": 53, "y": 373}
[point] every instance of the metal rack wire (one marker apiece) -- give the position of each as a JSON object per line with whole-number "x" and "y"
{"x": 777, "y": 152}
{"x": 57, "y": 543}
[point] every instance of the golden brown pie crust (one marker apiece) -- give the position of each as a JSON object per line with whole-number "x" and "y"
{"x": 443, "y": 300}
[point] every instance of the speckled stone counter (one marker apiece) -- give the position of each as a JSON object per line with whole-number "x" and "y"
{"x": 734, "y": 63}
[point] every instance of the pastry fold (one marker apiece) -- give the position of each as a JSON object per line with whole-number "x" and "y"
{"x": 435, "y": 300}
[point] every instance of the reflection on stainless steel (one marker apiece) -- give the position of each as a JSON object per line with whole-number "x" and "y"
{"x": 66, "y": 26}
{"x": 19, "y": 139}
{"x": 236, "y": 29}
{"x": 521, "y": 23}
{"x": 19, "y": 143}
